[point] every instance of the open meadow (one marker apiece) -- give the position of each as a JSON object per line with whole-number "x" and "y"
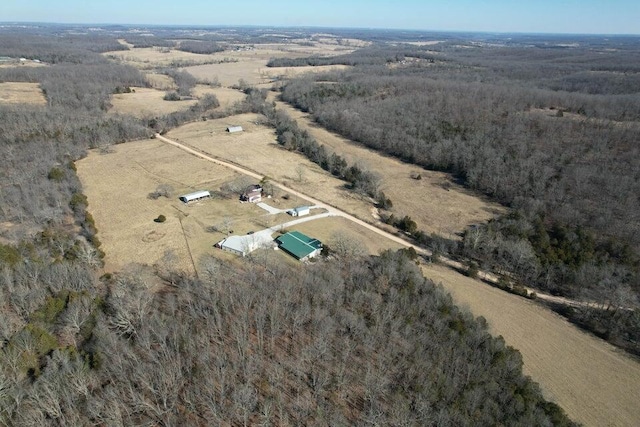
{"x": 147, "y": 102}
{"x": 21, "y": 93}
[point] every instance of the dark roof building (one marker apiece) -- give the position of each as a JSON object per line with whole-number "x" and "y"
{"x": 299, "y": 246}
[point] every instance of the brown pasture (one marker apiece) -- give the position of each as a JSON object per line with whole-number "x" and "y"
{"x": 436, "y": 203}
{"x": 326, "y": 230}
{"x": 256, "y": 149}
{"x": 21, "y": 93}
{"x": 595, "y": 383}
{"x": 146, "y": 102}
{"x": 160, "y": 81}
{"x": 117, "y": 185}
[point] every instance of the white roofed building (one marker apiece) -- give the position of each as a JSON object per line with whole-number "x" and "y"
{"x": 196, "y": 195}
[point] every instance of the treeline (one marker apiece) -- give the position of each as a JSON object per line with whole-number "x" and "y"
{"x": 354, "y": 342}
{"x": 37, "y": 139}
{"x": 202, "y": 47}
{"x": 374, "y": 55}
{"x": 292, "y": 138}
{"x": 58, "y": 49}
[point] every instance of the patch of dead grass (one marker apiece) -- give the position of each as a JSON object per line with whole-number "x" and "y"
{"x": 21, "y": 93}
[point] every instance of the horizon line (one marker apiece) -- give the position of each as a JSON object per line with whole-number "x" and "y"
{"x": 266, "y": 26}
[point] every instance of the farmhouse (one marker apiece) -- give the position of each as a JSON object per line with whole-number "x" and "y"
{"x": 299, "y": 211}
{"x": 197, "y": 195}
{"x": 234, "y": 129}
{"x": 299, "y": 246}
{"x": 252, "y": 194}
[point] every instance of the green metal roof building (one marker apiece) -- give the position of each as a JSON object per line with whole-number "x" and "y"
{"x": 299, "y": 246}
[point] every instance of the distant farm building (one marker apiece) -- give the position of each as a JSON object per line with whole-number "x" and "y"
{"x": 234, "y": 129}
{"x": 197, "y": 195}
{"x": 299, "y": 211}
{"x": 252, "y": 194}
{"x": 299, "y": 246}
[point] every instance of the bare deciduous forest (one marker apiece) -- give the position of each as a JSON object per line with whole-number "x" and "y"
{"x": 353, "y": 340}
{"x": 549, "y": 131}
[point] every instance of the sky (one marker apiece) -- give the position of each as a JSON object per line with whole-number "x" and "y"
{"x": 520, "y": 16}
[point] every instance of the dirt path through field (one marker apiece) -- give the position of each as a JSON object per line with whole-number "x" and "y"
{"x": 594, "y": 382}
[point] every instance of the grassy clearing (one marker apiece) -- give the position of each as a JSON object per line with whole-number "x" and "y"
{"x": 21, "y": 93}
{"x": 146, "y": 102}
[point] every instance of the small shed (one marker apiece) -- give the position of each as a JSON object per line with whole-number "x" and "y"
{"x": 299, "y": 246}
{"x": 299, "y": 211}
{"x": 196, "y": 195}
{"x": 234, "y": 129}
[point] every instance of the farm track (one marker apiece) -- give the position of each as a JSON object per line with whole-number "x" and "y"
{"x": 594, "y": 382}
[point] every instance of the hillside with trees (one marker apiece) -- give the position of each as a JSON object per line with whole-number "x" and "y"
{"x": 549, "y": 132}
{"x": 350, "y": 341}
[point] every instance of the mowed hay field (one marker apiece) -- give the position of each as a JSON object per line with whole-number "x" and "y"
{"x": 21, "y": 93}
{"x": 256, "y": 149}
{"x": 595, "y": 383}
{"x": 435, "y": 202}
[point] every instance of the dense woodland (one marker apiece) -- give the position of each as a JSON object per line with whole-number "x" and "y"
{"x": 353, "y": 340}
{"x": 549, "y": 132}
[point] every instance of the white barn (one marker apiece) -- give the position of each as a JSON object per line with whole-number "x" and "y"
{"x": 196, "y": 195}
{"x": 299, "y": 211}
{"x": 234, "y": 129}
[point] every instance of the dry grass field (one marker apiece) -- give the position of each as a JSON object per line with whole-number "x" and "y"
{"x": 117, "y": 185}
{"x": 436, "y": 203}
{"x": 228, "y": 67}
{"x": 146, "y": 102}
{"x": 229, "y": 73}
{"x": 252, "y": 71}
{"x": 125, "y": 218}
{"x": 256, "y": 149}
{"x": 21, "y": 93}
{"x": 152, "y": 57}
{"x": 160, "y": 81}
{"x": 595, "y": 383}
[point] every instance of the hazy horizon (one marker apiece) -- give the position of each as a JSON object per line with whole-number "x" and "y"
{"x": 588, "y": 17}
